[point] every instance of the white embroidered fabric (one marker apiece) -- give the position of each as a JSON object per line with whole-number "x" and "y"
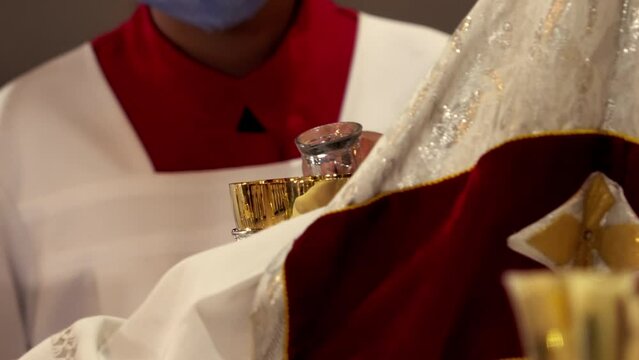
{"x": 513, "y": 68}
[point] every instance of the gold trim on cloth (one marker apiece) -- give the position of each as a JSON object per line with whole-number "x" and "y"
{"x": 558, "y": 133}
{"x": 270, "y": 315}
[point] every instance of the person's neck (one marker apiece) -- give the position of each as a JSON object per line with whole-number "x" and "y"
{"x": 235, "y": 51}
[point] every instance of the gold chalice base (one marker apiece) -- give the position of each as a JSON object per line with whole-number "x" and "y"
{"x": 263, "y": 203}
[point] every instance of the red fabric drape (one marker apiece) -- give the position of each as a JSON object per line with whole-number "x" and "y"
{"x": 417, "y": 274}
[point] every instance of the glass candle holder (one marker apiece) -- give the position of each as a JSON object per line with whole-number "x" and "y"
{"x": 330, "y": 149}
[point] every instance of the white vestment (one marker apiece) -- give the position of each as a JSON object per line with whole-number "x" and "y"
{"x": 88, "y": 227}
{"x": 515, "y": 69}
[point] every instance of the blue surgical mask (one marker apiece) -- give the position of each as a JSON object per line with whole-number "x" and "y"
{"x": 209, "y": 15}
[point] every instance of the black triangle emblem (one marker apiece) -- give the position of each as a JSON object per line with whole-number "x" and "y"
{"x": 249, "y": 123}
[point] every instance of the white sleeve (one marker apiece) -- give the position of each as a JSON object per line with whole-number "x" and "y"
{"x": 82, "y": 341}
{"x": 391, "y": 59}
{"x": 12, "y": 329}
{"x": 13, "y": 341}
{"x": 199, "y": 310}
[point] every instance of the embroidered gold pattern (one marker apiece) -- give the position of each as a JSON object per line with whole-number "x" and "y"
{"x": 550, "y": 23}
{"x": 580, "y": 234}
{"x": 64, "y": 345}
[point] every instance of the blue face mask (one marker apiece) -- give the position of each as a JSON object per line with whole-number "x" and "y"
{"x": 209, "y": 15}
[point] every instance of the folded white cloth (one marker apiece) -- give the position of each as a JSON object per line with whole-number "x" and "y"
{"x": 200, "y": 309}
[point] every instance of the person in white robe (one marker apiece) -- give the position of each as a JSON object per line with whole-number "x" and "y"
{"x": 513, "y": 70}
{"x": 88, "y": 227}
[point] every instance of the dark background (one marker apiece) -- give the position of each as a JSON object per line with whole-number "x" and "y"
{"x": 32, "y": 31}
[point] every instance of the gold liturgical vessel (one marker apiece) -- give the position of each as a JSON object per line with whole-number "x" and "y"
{"x": 329, "y": 158}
